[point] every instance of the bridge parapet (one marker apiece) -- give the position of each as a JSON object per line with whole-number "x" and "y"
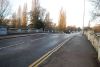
{"x": 94, "y": 39}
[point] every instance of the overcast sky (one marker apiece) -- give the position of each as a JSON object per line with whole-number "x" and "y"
{"x": 73, "y": 8}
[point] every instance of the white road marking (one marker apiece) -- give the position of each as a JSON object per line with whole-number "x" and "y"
{"x": 37, "y": 39}
{"x": 15, "y": 36}
{"x": 11, "y": 45}
{"x": 48, "y": 54}
{"x": 42, "y": 38}
{"x": 20, "y": 43}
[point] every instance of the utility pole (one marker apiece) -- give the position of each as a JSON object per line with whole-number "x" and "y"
{"x": 83, "y": 15}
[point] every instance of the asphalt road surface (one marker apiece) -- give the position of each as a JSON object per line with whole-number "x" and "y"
{"x": 22, "y": 51}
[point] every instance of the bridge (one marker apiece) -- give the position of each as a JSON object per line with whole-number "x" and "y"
{"x": 50, "y": 50}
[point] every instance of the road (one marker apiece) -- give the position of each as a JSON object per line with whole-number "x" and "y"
{"x": 22, "y": 51}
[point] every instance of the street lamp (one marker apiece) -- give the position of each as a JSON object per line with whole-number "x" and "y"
{"x": 83, "y": 15}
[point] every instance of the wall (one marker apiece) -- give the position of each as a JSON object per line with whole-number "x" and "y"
{"x": 94, "y": 39}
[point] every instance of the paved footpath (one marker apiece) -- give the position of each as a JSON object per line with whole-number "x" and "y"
{"x": 78, "y": 52}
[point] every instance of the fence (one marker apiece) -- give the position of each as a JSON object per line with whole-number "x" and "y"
{"x": 18, "y": 31}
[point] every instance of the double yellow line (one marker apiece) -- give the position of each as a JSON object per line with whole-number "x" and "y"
{"x": 47, "y": 55}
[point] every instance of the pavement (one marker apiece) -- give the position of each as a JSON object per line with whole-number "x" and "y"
{"x": 78, "y": 52}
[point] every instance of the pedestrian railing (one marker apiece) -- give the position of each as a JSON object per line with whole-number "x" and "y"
{"x": 94, "y": 39}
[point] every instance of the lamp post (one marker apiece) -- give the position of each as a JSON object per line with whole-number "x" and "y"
{"x": 83, "y": 15}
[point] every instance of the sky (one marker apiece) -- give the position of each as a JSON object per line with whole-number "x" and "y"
{"x": 74, "y": 9}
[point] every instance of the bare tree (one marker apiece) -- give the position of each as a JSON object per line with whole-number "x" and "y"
{"x": 62, "y": 20}
{"x": 96, "y": 11}
{"x": 37, "y": 14}
{"x": 4, "y": 10}
{"x": 24, "y": 16}
{"x": 48, "y": 23}
{"x": 19, "y": 20}
{"x": 14, "y": 20}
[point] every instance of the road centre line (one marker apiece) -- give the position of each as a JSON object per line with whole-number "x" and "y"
{"x": 15, "y": 36}
{"x": 11, "y": 45}
{"x": 40, "y": 38}
{"x": 20, "y": 43}
{"x": 37, "y": 39}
